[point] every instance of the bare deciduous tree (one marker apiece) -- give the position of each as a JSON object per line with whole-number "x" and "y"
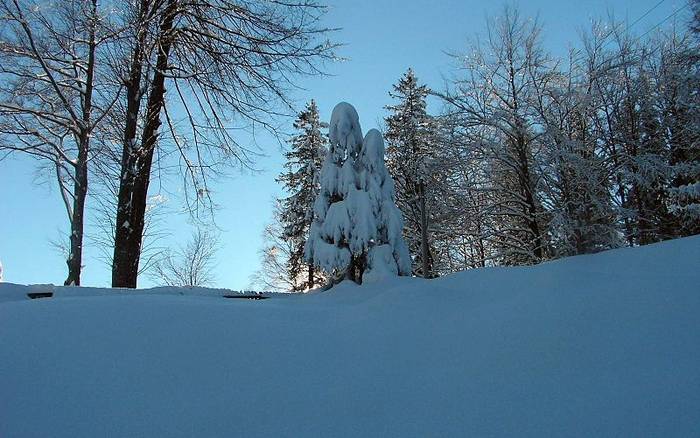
{"x": 548, "y": 158}
{"x": 191, "y": 265}
{"x": 275, "y": 254}
{"x": 220, "y": 59}
{"x": 54, "y": 94}
{"x": 496, "y": 102}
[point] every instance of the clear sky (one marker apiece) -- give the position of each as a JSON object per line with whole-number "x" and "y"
{"x": 382, "y": 39}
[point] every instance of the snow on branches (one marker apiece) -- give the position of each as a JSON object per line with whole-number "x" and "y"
{"x": 357, "y": 229}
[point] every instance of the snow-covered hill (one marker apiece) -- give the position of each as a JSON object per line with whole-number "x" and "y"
{"x": 601, "y": 345}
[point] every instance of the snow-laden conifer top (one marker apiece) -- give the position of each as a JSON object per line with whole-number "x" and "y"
{"x": 344, "y": 128}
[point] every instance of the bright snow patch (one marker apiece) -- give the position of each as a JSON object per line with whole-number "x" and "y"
{"x": 345, "y": 128}
{"x": 602, "y": 345}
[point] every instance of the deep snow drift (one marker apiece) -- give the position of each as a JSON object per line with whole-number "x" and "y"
{"x": 602, "y": 345}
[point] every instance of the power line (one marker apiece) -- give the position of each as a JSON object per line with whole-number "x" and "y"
{"x": 640, "y": 18}
{"x": 645, "y": 14}
{"x": 673, "y": 14}
{"x": 638, "y": 39}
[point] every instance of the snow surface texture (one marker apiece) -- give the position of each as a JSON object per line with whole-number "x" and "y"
{"x": 18, "y": 292}
{"x": 601, "y": 345}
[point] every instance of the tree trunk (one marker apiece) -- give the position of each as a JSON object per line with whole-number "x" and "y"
{"x": 121, "y": 269}
{"x": 136, "y": 167}
{"x": 75, "y": 257}
{"x": 424, "y": 249}
{"x": 80, "y": 186}
{"x": 350, "y": 271}
{"x": 527, "y": 191}
{"x": 311, "y": 282}
{"x": 357, "y": 267}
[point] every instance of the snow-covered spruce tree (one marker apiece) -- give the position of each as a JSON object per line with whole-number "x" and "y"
{"x": 388, "y": 254}
{"x": 409, "y": 152}
{"x": 356, "y": 222}
{"x": 335, "y": 244}
{"x": 301, "y": 180}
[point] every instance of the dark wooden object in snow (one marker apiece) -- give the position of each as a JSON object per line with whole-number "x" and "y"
{"x": 35, "y": 295}
{"x": 247, "y": 297}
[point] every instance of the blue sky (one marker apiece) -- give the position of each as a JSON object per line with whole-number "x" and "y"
{"x": 382, "y": 39}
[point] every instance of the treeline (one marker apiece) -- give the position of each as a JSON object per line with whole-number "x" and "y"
{"x": 531, "y": 157}
{"x": 109, "y": 96}
{"x": 537, "y": 158}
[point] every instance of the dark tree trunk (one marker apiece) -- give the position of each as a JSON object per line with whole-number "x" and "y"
{"x": 481, "y": 247}
{"x": 358, "y": 264}
{"x": 136, "y": 163}
{"x": 352, "y": 269}
{"x": 526, "y": 187}
{"x": 424, "y": 248}
{"x": 121, "y": 260}
{"x": 312, "y": 272}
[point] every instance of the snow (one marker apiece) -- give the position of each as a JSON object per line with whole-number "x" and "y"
{"x": 373, "y": 149}
{"x": 337, "y": 222}
{"x": 355, "y": 209}
{"x": 17, "y": 292}
{"x": 345, "y": 127}
{"x": 343, "y": 223}
{"x": 381, "y": 264}
{"x": 327, "y": 255}
{"x": 387, "y": 216}
{"x": 364, "y": 225}
{"x": 600, "y": 345}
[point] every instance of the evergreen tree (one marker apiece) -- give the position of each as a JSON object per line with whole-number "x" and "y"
{"x": 388, "y": 254}
{"x": 340, "y": 232}
{"x": 357, "y": 225}
{"x": 301, "y": 180}
{"x": 409, "y": 156}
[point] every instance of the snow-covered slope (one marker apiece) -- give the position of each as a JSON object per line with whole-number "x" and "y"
{"x": 602, "y": 345}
